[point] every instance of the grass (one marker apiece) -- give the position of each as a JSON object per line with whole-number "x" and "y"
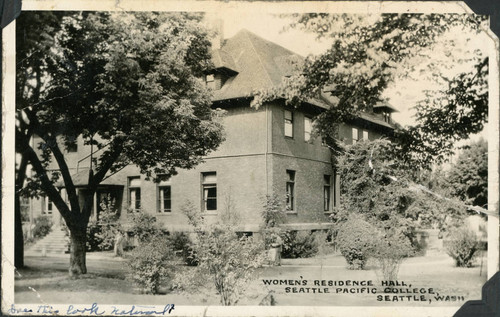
{"x": 107, "y": 283}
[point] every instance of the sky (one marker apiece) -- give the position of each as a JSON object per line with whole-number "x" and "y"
{"x": 403, "y": 94}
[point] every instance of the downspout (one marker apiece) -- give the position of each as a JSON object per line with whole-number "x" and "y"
{"x": 267, "y": 149}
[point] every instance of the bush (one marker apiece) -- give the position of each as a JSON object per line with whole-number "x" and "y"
{"x": 93, "y": 236}
{"x": 299, "y": 244}
{"x": 462, "y": 245}
{"x": 109, "y": 226}
{"x": 323, "y": 241}
{"x": 150, "y": 263}
{"x": 183, "y": 246}
{"x": 389, "y": 252}
{"x": 355, "y": 240}
{"x": 43, "y": 226}
{"x": 144, "y": 227}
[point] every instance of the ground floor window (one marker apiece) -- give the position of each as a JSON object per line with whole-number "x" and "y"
{"x": 290, "y": 190}
{"x": 134, "y": 193}
{"x": 164, "y": 198}
{"x": 327, "y": 189}
{"x": 209, "y": 188}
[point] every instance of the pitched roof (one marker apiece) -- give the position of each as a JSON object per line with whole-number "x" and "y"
{"x": 260, "y": 64}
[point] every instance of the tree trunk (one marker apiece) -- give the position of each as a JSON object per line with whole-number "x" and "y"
{"x": 18, "y": 238}
{"x": 77, "y": 262}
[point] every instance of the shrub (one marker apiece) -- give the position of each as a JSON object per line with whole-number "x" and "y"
{"x": 183, "y": 246}
{"x": 323, "y": 241}
{"x": 355, "y": 240}
{"x": 109, "y": 226}
{"x": 389, "y": 252}
{"x": 228, "y": 260}
{"x": 144, "y": 227}
{"x": 462, "y": 245}
{"x": 223, "y": 257}
{"x": 43, "y": 226}
{"x": 150, "y": 263}
{"x": 93, "y": 239}
{"x": 299, "y": 244}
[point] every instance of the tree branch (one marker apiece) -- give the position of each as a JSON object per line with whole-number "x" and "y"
{"x": 47, "y": 185}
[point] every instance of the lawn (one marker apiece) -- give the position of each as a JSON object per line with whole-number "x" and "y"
{"x": 106, "y": 283}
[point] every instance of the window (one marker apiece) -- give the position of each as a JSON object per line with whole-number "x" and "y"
{"x": 335, "y": 181}
{"x": 209, "y": 186}
{"x": 307, "y": 129}
{"x": 365, "y": 135}
{"x": 134, "y": 193}
{"x": 355, "y": 137}
{"x": 327, "y": 189}
{"x": 72, "y": 145}
{"x": 387, "y": 116}
{"x": 164, "y": 197}
{"x": 288, "y": 123}
{"x": 49, "y": 206}
{"x": 290, "y": 190}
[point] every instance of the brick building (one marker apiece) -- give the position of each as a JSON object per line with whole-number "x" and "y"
{"x": 267, "y": 151}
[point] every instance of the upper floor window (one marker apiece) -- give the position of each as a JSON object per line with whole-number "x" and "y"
{"x": 288, "y": 123}
{"x": 355, "y": 135}
{"x": 290, "y": 190}
{"x": 387, "y": 116}
{"x": 164, "y": 196}
{"x": 307, "y": 129}
{"x": 134, "y": 193}
{"x": 327, "y": 189}
{"x": 365, "y": 135}
{"x": 209, "y": 187}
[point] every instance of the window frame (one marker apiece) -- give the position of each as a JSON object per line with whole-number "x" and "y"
{"x": 288, "y": 123}
{"x": 160, "y": 203}
{"x": 355, "y": 135}
{"x": 327, "y": 193}
{"x": 366, "y": 136}
{"x": 136, "y": 189}
{"x": 48, "y": 206}
{"x": 206, "y": 185}
{"x": 308, "y": 134}
{"x": 290, "y": 194}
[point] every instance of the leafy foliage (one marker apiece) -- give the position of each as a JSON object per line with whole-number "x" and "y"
{"x": 468, "y": 176}
{"x": 151, "y": 263}
{"x": 93, "y": 241}
{"x": 126, "y": 83}
{"x": 355, "y": 240}
{"x": 368, "y": 53}
{"x": 379, "y": 186}
{"x": 183, "y": 246}
{"x": 144, "y": 227}
{"x": 109, "y": 225}
{"x": 223, "y": 257}
{"x": 389, "y": 252}
{"x": 299, "y": 244}
{"x": 43, "y": 226}
{"x": 462, "y": 245}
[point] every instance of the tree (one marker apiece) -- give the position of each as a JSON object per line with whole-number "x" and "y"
{"x": 378, "y": 186}
{"x": 34, "y": 37}
{"x": 128, "y": 84}
{"x": 368, "y": 53}
{"x": 468, "y": 176}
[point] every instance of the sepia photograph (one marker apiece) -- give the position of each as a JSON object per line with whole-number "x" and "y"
{"x": 180, "y": 160}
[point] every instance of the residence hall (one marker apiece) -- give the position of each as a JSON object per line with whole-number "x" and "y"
{"x": 267, "y": 151}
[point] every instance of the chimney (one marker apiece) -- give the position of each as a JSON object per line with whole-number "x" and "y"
{"x": 216, "y": 25}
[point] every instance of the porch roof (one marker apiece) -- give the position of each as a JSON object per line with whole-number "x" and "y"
{"x": 81, "y": 179}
